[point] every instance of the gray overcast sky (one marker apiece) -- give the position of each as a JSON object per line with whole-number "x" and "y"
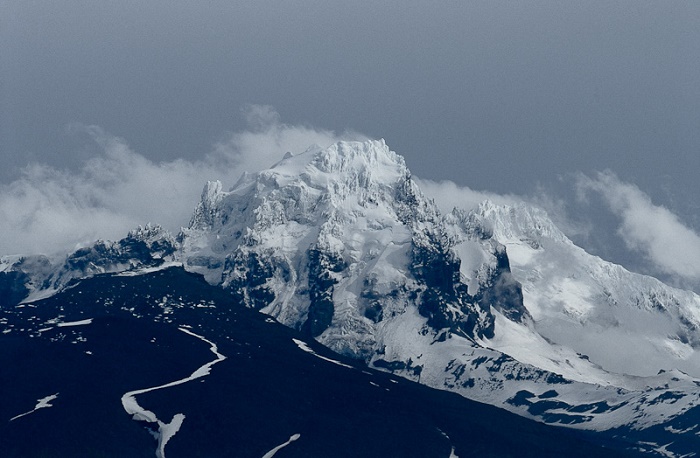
{"x": 497, "y": 96}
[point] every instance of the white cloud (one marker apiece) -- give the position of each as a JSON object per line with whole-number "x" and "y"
{"x": 448, "y": 195}
{"x": 650, "y": 229}
{"x": 267, "y": 140}
{"x": 50, "y": 210}
{"x": 664, "y": 245}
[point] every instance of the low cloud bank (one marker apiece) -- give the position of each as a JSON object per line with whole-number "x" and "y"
{"x": 651, "y": 230}
{"x": 50, "y": 210}
{"x": 652, "y": 234}
{"x": 448, "y": 195}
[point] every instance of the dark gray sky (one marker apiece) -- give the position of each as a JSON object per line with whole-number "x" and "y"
{"x": 506, "y": 97}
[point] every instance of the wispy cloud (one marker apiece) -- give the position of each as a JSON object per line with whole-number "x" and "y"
{"x": 448, "y": 195}
{"x": 652, "y": 230}
{"x": 48, "y": 210}
{"x": 267, "y": 139}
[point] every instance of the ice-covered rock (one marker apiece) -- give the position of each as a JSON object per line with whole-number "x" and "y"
{"x": 625, "y": 322}
{"x": 336, "y": 242}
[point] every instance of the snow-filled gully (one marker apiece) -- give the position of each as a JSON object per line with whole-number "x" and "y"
{"x": 272, "y": 452}
{"x": 167, "y": 430}
{"x": 40, "y": 404}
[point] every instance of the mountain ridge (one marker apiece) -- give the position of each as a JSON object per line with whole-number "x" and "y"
{"x": 495, "y": 304}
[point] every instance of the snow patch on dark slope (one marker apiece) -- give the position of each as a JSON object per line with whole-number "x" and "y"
{"x": 40, "y": 404}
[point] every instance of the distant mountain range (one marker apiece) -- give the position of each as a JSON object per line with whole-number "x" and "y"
{"x": 341, "y": 247}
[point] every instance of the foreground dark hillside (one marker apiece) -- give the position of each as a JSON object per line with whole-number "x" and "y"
{"x": 267, "y": 389}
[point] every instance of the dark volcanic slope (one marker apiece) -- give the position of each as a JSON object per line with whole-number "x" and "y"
{"x": 267, "y": 389}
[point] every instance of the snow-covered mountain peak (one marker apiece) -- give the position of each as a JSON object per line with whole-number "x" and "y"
{"x": 334, "y": 241}
{"x": 342, "y": 169}
{"x": 205, "y": 212}
{"x": 584, "y": 303}
{"x": 518, "y": 222}
{"x": 348, "y": 180}
{"x": 211, "y": 191}
{"x": 372, "y": 156}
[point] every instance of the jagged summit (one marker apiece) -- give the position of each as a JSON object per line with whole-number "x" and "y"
{"x": 334, "y": 241}
{"x": 517, "y": 222}
{"x": 315, "y": 181}
{"x": 205, "y": 213}
{"x": 342, "y": 168}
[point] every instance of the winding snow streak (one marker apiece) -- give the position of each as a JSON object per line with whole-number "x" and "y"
{"x": 40, "y": 404}
{"x": 272, "y": 452}
{"x": 148, "y": 270}
{"x": 308, "y": 349}
{"x": 75, "y": 323}
{"x": 167, "y": 430}
{"x": 452, "y": 451}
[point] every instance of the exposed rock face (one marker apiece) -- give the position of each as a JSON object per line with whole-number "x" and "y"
{"x": 148, "y": 246}
{"x": 322, "y": 268}
{"x": 13, "y": 286}
{"x": 502, "y": 291}
{"x": 144, "y": 247}
{"x": 337, "y": 242}
{"x": 20, "y": 275}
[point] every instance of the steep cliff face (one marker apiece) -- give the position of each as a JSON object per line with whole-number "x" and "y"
{"x": 336, "y": 242}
